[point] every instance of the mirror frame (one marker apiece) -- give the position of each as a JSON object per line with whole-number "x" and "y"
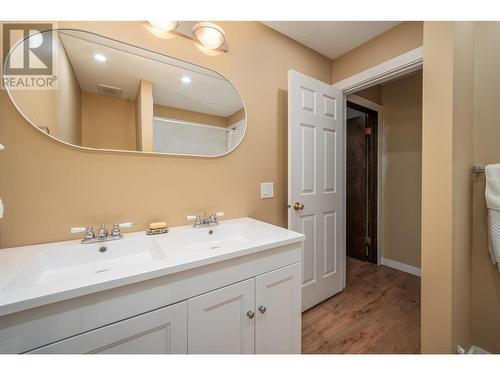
{"x": 83, "y": 148}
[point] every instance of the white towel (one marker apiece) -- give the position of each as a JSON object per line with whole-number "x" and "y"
{"x": 493, "y": 186}
{"x": 494, "y": 235}
{"x": 493, "y": 203}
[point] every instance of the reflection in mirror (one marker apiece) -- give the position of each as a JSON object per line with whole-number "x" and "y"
{"x": 115, "y": 96}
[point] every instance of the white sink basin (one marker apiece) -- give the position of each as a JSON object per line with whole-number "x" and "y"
{"x": 227, "y": 235}
{"x": 62, "y": 266}
{"x": 35, "y": 275}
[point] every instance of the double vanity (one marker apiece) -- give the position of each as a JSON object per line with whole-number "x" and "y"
{"x": 230, "y": 288}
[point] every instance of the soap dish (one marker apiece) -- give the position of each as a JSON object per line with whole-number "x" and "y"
{"x": 151, "y": 232}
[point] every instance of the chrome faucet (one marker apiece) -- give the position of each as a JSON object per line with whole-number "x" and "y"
{"x": 102, "y": 233}
{"x": 204, "y": 220}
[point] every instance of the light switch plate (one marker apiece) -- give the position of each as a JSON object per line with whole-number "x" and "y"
{"x": 267, "y": 190}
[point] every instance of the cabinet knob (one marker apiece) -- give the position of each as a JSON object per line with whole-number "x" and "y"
{"x": 250, "y": 314}
{"x": 262, "y": 309}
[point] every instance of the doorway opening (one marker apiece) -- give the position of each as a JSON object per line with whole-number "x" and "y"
{"x": 379, "y": 309}
{"x": 361, "y": 182}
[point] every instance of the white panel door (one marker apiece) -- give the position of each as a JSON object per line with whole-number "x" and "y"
{"x": 222, "y": 321}
{"x": 163, "y": 331}
{"x": 315, "y": 173}
{"x": 278, "y": 311}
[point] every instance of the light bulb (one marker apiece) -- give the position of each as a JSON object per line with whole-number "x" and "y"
{"x": 209, "y": 34}
{"x": 100, "y": 58}
{"x": 164, "y": 26}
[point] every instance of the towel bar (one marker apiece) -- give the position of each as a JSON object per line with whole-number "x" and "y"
{"x": 478, "y": 168}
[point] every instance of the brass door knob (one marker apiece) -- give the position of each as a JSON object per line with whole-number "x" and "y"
{"x": 298, "y": 206}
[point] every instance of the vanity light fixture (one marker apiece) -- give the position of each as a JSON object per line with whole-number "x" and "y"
{"x": 212, "y": 37}
{"x": 209, "y": 34}
{"x": 100, "y": 58}
{"x": 164, "y": 26}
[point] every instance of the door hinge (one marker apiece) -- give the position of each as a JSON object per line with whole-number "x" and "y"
{"x": 368, "y": 131}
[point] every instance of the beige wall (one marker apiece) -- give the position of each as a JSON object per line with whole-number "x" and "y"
{"x": 144, "y": 116}
{"x": 463, "y": 78}
{"x": 68, "y": 100}
{"x": 446, "y": 185}
{"x": 396, "y": 41}
{"x": 44, "y": 113}
{"x": 60, "y": 109}
{"x": 108, "y": 122}
{"x": 485, "y": 277}
{"x": 371, "y": 93}
{"x": 402, "y": 173}
{"x": 53, "y": 187}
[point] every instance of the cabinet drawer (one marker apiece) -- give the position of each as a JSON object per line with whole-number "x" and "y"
{"x": 163, "y": 331}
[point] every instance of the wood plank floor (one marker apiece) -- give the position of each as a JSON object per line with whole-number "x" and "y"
{"x": 378, "y": 312}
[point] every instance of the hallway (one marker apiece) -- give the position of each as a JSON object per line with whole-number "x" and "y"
{"x": 378, "y": 312}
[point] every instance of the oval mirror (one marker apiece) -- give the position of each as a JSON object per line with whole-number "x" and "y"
{"x": 98, "y": 93}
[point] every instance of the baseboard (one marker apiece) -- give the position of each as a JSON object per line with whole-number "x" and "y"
{"x": 400, "y": 266}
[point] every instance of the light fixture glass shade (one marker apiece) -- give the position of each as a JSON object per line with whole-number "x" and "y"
{"x": 164, "y": 26}
{"x": 209, "y": 34}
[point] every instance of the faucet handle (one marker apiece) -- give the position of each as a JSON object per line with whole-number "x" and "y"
{"x": 77, "y": 229}
{"x": 102, "y": 232}
{"x": 197, "y": 219}
{"x": 89, "y": 233}
{"x": 116, "y": 228}
{"x": 124, "y": 225}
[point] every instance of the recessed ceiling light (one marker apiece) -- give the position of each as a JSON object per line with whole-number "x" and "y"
{"x": 35, "y": 40}
{"x": 186, "y": 80}
{"x": 100, "y": 58}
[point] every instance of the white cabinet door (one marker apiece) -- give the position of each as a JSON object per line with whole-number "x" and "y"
{"x": 278, "y": 311}
{"x": 163, "y": 331}
{"x": 222, "y": 321}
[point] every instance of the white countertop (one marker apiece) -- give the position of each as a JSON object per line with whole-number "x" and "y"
{"x": 37, "y": 275}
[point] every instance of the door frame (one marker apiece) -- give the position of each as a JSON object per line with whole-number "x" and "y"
{"x": 398, "y": 66}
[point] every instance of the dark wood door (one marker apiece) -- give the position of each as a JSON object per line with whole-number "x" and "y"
{"x": 361, "y": 185}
